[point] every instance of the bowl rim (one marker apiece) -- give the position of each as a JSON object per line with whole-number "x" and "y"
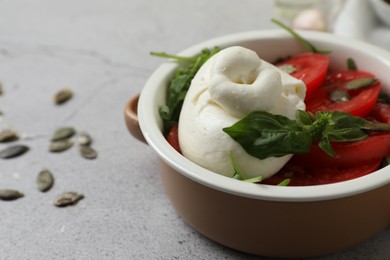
{"x": 152, "y": 132}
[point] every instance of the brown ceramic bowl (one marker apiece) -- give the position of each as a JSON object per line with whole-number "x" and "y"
{"x": 260, "y": 219}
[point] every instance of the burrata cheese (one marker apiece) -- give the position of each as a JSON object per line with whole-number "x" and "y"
{"x": 230, "y": 85}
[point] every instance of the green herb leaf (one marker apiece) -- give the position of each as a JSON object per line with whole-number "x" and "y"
{"x": 351, "y": 65}
{"x": 264, "y": 135}
{"x": 285, "y": 182}
{"x": 360, "y": 83}
{"x": 346, "y": 128}
{"x": 308, "y": 45}
{"x": 180, "y": 83}
{"x": 239, "y": 174}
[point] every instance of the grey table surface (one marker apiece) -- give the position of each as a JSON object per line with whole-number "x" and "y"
{"x": 100, "y": 49}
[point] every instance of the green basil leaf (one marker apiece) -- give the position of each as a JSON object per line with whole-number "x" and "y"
{"x": 346, "y": 127}
{"x": 264, "y": 135}
{"x": 304, "y": 118}
{"x": 324, "y": 144}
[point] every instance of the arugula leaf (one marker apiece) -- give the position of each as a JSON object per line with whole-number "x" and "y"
{"x": 239, "y": 174}
{"x": 308, "y": 45}
{"x": 180, "y": 83}
{"x": 285, "y": 182}
{"x": 264, "y": 135}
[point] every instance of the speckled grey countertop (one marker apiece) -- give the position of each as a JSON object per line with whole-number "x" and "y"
{"x": 100, "y": 49}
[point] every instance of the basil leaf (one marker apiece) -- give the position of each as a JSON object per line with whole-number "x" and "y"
{"x": 304, "y": 118}
{"x": 264, "y": 135}
{"x": 346, "y": 127}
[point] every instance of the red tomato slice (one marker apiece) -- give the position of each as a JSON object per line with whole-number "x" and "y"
{"x": 301, "y": 175}
{"x": 347, "y": 154}
{"x": 381, "y": 112}
{"x": 361, "y": 102}
{"x": 311, "y": 68}
{"x": 173, "y": 137}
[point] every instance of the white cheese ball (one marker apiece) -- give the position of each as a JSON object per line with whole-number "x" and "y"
{"x": 230, "y": 85}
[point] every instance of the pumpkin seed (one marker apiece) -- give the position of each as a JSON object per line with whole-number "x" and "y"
{"x": 351, "y": 64}
{"x": 60, "y": 146}
{"x": 87, "y": 152}
{"x": 360, "y": 83}
{"x": 63, "y": 133}
{"x": 8, "y": 135}
{"x": 288, "y": 68}
{"x": 339, "y": 95}
{"x": 9, "y": 194}
{"x": 13, "y": 151}
{"x": 45, "y": 180}
{"x": 67, "y": 199}
{"x": 84, "y": 139}
{"x": 63, "y": 95}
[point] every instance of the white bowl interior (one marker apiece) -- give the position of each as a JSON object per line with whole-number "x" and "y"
{"x": 269, "y": 44}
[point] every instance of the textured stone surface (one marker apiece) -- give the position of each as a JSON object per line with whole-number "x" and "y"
{"x": 100, "y": 49}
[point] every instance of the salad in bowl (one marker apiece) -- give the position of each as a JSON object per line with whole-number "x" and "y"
{"x": 297, "y": 171}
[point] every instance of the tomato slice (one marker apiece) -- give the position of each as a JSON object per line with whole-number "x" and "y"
{"x": 311, "y": 68}
{"x": 302, "y": 175}
{"x": 173, "y": 137}
{"x": 381, "y": 112}
{"x": 361, "y": 100}
{"x": 347, "y": 154}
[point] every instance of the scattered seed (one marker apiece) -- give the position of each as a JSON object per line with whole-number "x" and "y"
{"x": 60, "y": 146}
{"x": 63, "y": 133}
{"x": 67, "y": 199}
{"x": 338, "y": 95}
{"x": 13, "y": 151}
{"x": 288, "y": 68}
{"x": 84, "y": 139}
{"x": 360, "y": 83}
{"x": 351, "y": 64}
{"x": 9, "y": 194}
{"x": 45, "y": 180}
{"x": 87, "y": 152}
{"x": 8, "y": 135}
{"x": 63, "y": 95}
